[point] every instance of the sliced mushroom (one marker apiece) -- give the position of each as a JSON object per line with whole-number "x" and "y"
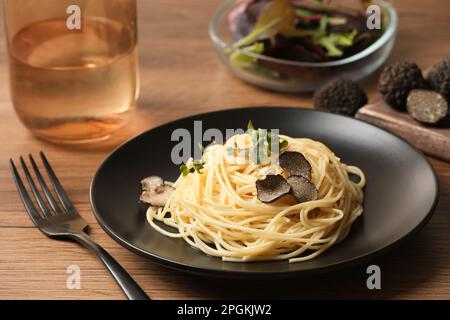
{"x": 151, "y": 183}
{"x": 155, "y": 191}
{"x": 302, "y": 189}
{"x": 295, "y": 164}
{"x": 272, "y": 188}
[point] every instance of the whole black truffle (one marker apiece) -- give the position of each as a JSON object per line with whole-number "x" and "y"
{"x": 396, "y": 82}
{"x": 439, "y": 78}
{"x": 340, "y": 96}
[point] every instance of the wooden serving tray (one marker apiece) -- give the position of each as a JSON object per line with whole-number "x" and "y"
{"x": 431, "y": 140}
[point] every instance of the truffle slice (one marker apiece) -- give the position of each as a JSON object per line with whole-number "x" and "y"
{"x": 272, "y": 188}
{"x": 295, "y": 164}
{"x": 155, "y": 191}
{"x": 396, "y": 82}
{"x": 341, "y": 96}
{"x": 439, "y": 78}
{"x": 427, "y": 106}
{"x": 302, "y": 189}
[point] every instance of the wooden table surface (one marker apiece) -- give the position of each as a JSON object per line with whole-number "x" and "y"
{"x": 182, "y": 76}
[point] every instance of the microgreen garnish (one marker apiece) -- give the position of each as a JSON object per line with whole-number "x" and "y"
{"x": 184, "y": 170}
{"x": 250, "y": 126}
{"x": 259, "y": 137}
{"x": 283, "y": 144}
{"x": 196, "y": 167}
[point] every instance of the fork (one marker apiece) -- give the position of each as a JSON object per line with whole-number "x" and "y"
{"x": 62, "y": 221}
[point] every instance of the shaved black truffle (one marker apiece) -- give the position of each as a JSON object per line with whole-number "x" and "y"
{"x": 427, "y": 106}
{"x": 295, "y": 164}
{"x": 439, "y": 78}
{"x": 396, "y": 82}
{"x": 272, "y": 188}
{"x": 302, "y": 189}
{"x": 341, "y": 96}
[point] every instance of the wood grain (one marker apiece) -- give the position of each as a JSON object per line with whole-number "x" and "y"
{"x": 182, "y": 76}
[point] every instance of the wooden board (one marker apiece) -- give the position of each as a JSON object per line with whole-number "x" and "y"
{"x": 431, "y": 140}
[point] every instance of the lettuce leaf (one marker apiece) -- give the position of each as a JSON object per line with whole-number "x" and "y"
{"x": 277, "y": 16}
{"x": 243, "y": 60}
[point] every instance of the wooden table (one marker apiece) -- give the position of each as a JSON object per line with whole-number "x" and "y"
{"x": 182, "y": 76}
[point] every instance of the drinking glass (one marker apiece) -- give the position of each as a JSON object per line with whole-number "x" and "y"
{"x": 73, "y": 66}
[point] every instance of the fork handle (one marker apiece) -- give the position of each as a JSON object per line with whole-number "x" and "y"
{"x": 131, "y": 289}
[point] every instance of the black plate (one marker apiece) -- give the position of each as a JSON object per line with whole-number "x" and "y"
{"x": 401, "y": 190}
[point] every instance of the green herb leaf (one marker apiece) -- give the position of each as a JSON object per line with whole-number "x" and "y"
{"x": 198, "y": 167}
{"x": 284, "y": 144}
{"x": 250, "y": 126}
{"x": 184, "y": 170}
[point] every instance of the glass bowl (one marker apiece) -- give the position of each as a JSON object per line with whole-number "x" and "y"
{"x": 292, "y": 76}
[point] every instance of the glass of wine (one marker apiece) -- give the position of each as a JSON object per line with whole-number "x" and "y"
{"x": 73, "y": 66}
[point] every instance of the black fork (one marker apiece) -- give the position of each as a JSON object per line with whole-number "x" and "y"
{"x": 61, "y": 220}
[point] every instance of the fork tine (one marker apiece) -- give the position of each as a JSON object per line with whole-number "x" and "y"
{"x": 32, "y": 212}
{"x": 48, "y": 194}
{"x": 35, "y": 191}
{"x": 61, "y": 193}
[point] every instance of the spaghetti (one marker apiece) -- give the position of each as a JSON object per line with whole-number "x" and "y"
{"x": 218, "y": 212}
